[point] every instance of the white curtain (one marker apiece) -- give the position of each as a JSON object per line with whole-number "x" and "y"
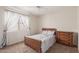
{"x": 23, "y": 24}
{"x": 16, "y": 26}
{"x": 15, "y": 21}
{"x": 11, "y": 20}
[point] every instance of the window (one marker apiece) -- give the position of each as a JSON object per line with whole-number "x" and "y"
{"x": 15, "y": 21}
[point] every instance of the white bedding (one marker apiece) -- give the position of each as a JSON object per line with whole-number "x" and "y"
{"x": 47, "y": 40}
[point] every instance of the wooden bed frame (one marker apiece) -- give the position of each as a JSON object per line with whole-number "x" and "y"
{"x": 36, "y": 44}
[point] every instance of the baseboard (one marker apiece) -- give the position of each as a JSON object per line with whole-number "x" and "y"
{"x": 15, "y": 43}
{"x": 75, "y": 46}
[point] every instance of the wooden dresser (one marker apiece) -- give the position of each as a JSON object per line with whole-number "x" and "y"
{"x": 65, "y": 38}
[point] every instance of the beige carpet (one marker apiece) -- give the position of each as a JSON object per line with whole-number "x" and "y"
{"x": 21, "y": 48}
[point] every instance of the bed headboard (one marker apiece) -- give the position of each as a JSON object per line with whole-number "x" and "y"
{"x": 49, "y": 29}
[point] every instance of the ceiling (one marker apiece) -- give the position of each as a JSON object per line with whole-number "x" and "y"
{"x": 35, "y": 10}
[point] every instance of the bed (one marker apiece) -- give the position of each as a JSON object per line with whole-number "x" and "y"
{"x": 43, "y": 41}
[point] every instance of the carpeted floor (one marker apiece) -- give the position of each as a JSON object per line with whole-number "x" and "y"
{"x": 21, "y": 48}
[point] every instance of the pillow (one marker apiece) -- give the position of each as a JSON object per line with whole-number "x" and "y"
{"x": 51, "y": 32}
{"x": 48, "y": 32}
{"x": 44, "y": 32}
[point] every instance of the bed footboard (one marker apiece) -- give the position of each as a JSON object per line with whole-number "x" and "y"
{"x": 35, "y": 44}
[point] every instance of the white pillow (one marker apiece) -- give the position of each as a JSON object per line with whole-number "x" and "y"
{"x": 48, "y": 32}
{"x": 51, "y": 32}
{"x": 44, "y": 32}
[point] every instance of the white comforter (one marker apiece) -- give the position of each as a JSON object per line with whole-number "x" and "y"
{"x": 47, "y": 40}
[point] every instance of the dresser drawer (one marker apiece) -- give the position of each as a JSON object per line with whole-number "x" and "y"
{"x": 65, "y": 37}
{"x": 68, "y": 34}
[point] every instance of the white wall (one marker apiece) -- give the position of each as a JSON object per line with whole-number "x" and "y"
{"x": 14, "y": 37}
{"x": 78, "y": 25}
{"x": 64, "y": 20}
{"x": 1, "y": 23}
{"x": 34, "y": 24}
